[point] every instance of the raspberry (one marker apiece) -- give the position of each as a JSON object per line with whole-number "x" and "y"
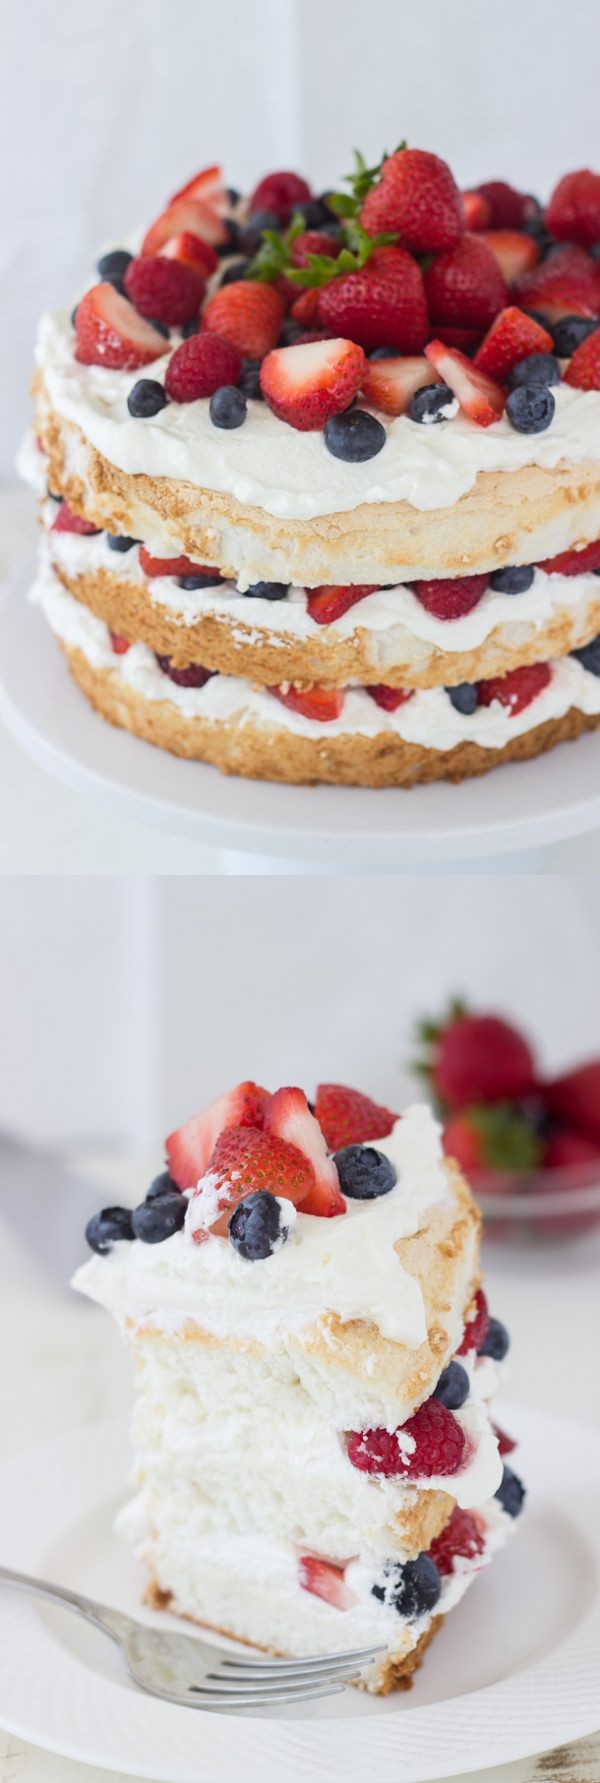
{"x": 476, "y": 1329}
{"x": 163, "y": 289}
{"x": 67, "y": 521}
{"x": 439, "y": 1445}
{"x": 450, "y": 597}
{"x": 461, "y": 1538}
{"x": 199, "y": 366}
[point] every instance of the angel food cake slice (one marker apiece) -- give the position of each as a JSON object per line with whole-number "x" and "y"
{"x": 315, "y": 1462}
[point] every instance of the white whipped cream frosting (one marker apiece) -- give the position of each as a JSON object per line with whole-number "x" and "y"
{"x": 290, "y": 474}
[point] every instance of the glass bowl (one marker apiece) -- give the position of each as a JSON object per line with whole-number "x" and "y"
{"x": 540, "y": 1206}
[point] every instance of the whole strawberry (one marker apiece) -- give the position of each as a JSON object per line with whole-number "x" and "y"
{"x": 476, "y": 1058}
{"x": 489, "y": 1141}
{"x": 574, "y": 1098}
{"x": 573, "y": 213}
{"x": 583, "y": 370}
{"x": 465, "y": 286}
{"x": 416, "y": 197}
{"x": 566, "y": 283}
{"x": 248, "y": 315}
{"x": 507, "y": 208}
{"x": 381, "y": 304}
{"x": 346, "y": 1117}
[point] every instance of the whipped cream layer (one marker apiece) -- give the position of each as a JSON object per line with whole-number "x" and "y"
{"x": 289, "y": 474}
{"x": 428, "y": 719}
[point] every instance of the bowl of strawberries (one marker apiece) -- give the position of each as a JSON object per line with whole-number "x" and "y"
{"x": 528, "y": 1144}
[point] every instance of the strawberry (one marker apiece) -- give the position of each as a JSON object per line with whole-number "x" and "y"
{"x": 247, "y": 314}
{"x": 207, "y": 186}
{"x": 390, "y": 383}
{"x": 515, "y": 253}
{"x": 312, "y": 242}
{"x": 245, "y": 1160}
{"x": 164, "y": 288}
{"x": 331, "y": 602}
{"x": 389, "y": 698}
{"x": 288, "y": 1117}
{"x": 120, "y": 645}
{"x": 280, "y": 193}
{"x": 416, "y": 198}
{"x": 479, "y": 396}
{"x": 191, "y": 251}
{"x": 109, "y": 332}
{"x": 67, "y": 521}
{"x": 517, "y": 689}
{"x": 464, "y": 339}
{"x": 477, "y": 211}
{"x": 506, "y": 1444}
{"x": 450, "y": 597}
{"x": 583, "y": 370}
{"x": 436, "y": 1445}
{"x": 476, "y": 1326}
{"x": 462, "y": 1538}
{"x": 573, "y": 213}
{"x": 489, "y": 1141}
{"x": 200, "y": 365}
{"x": 464, "y": 285}
{"x": 305, "y": 385}
{"x": 574, "y": 1098}
{"x": 381, "y": 304}
{"x": 194, "y": 676}
{"x": 513, "y": 336}
{"x": 566, "y": 283}
{"x": 508, "y": 209}
{"x": 325, "y": 1580}
{"x": 573, "y": 563}
{"x": 346, "y": 1117}
{"x": 190, "y": 1148}
{"x": 476, "y": 1058}
{"x": 566, "y": 1149}
{"x": 322, "y": 704}
{"x": 186, "y": 214}
{"x": 174, "y": 566}
{"x": 305, "y": 308}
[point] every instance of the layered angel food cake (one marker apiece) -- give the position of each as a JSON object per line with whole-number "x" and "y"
{"x": 320, "y": 476}
{"x": 316, "y": 1464}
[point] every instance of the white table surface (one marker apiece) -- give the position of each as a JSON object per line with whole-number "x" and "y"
{"x": 68, "y": 1367}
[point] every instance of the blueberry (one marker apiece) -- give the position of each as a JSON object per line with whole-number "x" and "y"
{"x": 453, "y": 1386}
{"x": 290, "y": 332}
{"x": 570, "y": 331}
{"x": 364, "y": 1172}
{"x": 513, "y": 579}
{"x": 114, "y": 265}
{"x": 463, "y": 697}
{"x": 511, "y": 1492}
{"x": 256, "y": 1228}
{"x": 595, "y": 250}
{"x": 188, "y": 328}
{"x": 51, "y": 493}
{"x": 252, "y": 233}
{"x": 232, "y": 194}
{"x": 537, "y": 316}
{"x": 233, "y": 273}
{"x": 118, "y": 541}
{"x": 354, "y": 435}
{"x": 431, "y": 404}
{"x": 158, "y": 1219}
{"x": 536, "y": 228}
{"x": 530, "y": 408}
{"x": 146, "y": 398}
{"x": 227, "y": 407}
{"x": 250, "y": 379}
{"x": 413, "y": 1589}
{"x": 383, "y": 353}
{"x": 268, "y": 591}
{"x": 233, "y": 238}
{"x": 314, "y": 213}
{"x": 589, "y": 656}
{"x": 74, "y": 316}
{"x": 496, "y": 1343}
{"x": 200, "y": 581}
{"x": 161, "y": 327}
{"x": 105, "y": 1228}
{"x": 537, "y": 368}
{"x": 162, "y": 1185}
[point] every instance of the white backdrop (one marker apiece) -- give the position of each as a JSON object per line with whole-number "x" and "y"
{"x": 126, "y": 1005}
{"x": 105, "y": 108}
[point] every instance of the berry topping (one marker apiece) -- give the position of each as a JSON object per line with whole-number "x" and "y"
{"x": 530, "y": 408}
{"x": 506, "y": 1444}
{"x": 267, "y": 591}
{"x": 517, "y": 689}
{"x": 156, "y": 1220}
{"x": 289, "y": 1117}
{"x": 162, "y": 1185}
{"x": 199, "y": 366}
{"x": 66, "y": 521}
{"x": 113, "y": 266}
{"x": 247, "y": 314}
{"x": 307, "y": 385}
{"x": 250, "y": 379}
{"x": 379, "y": 304}
{"x": 464, "y": 286}
{"x": 513, "y": 579}
{"x": 325, "y": 1580}
{"x": 364, "y": 1173}
{"x": 433, "y": 403}
{"x": 573, "y": 563}
{"x": 280, "y": 193}
{"x": 190, "y": 1147}
{"x": 118, "y": 541}
{"x": 464, "y": 698}
{"x": 106, "y": 1228}
{"x": 584, "y": 369}
{"x": 461, "y": 1539}
{"x": 206, "y": 185}
{"x": 256, "y": 1227}
{"x": 477, "y": 212}
{"x": 491, "y": 1140}
{"x": 147, "y": 398}
{"x": 331, "y": 602}
{"x": 507, "y": 208}
{"x": 186, "y": 216}
{"x": 390, "y": 383}
{"x": 496, "y": 1342}
{"x": 589, "y": 656}
{"x": 479, "y": 397}
{"x": 476, "y": 1058}
{"x": 413, "y": 1589}
{"x": 450, "y": 597}
{"x": 243, "y": 1162}
{"x": 538, "y": 368}
{"x": 348, "y": 1118}
{"x": 570, "y": 331}
{"x": 119, "y": 644}
{"x": 575, "y": 1098}
{"x": 415, "y": 197}
{"x": 453, "y": 1386}
{"x": 175, "y": 566}
{"x": 354, "y": 436}
{"x": 477, "y": 1327}
{"x": 109, "y": 332}
{"x": 389, "y": 698}
{"x": 227, "y": 407}
{"x": 431, "y": 1443}
{"x": 193, "y": 676}
{"x": 567, "y": 283}
{"x": 511, "y": 1493}
{"x": 164, "y": 288}
{"x": 515, "y": 253}
{"x": 573, "y": 213}
{"x": 512, "y": 338}
{"x": 323, "y": 704}
{"x": 192, "y": 252}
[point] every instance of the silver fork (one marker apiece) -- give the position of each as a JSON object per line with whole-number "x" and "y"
{"x": 177, "y": 1667}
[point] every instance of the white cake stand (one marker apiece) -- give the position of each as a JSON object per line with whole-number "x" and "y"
{"x": 516, "y": 809}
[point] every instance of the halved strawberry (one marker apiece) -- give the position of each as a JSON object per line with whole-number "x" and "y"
{"x": 247, "y": 314}
{"x": 389, "y": 698}
{"x": 325, "y": 1580}
{"x": 67, "y": 521}
{"x": 389, "y": 384}
{"x": 186, "y": 214}
{"x": 191, "y": 251}
{"x": 330, "y": 602}
{"x": 305, "y": 385}
{"x": 109, "y": 332}
{"x": 174, "y": 566}
{"x": 190, "y": 1148}
{"x": 346, "y": 1117}
{"x": 513, "y": 336}
{"x": 244, "y": 1161}
{"x": 573, "y": 563}
{"x": 206, "y": 185}
{"x": 321, "y": 703}
{"x": 517, "y": 689}
{"x": 288, "y": 1117}
{"x": 477, "y": 211}
{"x": 583, "y": 370}
{"x": 450, "y": 597}
{"x": 516, "y": 253}
{"x": 479, "y": 397}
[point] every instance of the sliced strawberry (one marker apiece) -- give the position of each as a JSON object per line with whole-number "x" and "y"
{"x": 389, "y": 698}
{"x": 207, "y": 186}
{"x": 479, "y": 397}
{"x": 566, "y": 283}
{"x": 573, "y": 563}
{"x": 288, "y": 1117}
{"x": 325, "y": 1580}
{"x": 305, "y": 385}
{"x": 516, "y": 253}
{"x": 573, "y": 213}
{"x": 109, "y": 332}
{"x": 120, "y": 645}
{"x": 164, "y": 289}
{"x": 248, "y": 315}
{"x": 174, "y": 566}
{"x": 477, "y": 211}
{"x": 280, "y": 193}
{"x": 583, "y": 370}
{"x": 331, "y": 602}
{"x": 243, "y": 1162}
{"x": 67, "y": 521}
{"x": 513, "y": 336}
{"x": 389, "y": 384}
{"x": 191, "y": 251}
{"x": 190, "y": 1148}
{"x": 476, "y": 1327}
{"x": 450, "y": 597}
{"x": 186, "y": 214}
{"x": 320, "y": 703}
{"x": 346, "y": 1117}
{"x": 517, "y": 689}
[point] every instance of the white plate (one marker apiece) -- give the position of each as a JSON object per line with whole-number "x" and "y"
{"x": 514, "y": 1671}
{"x": 517, "y": 807}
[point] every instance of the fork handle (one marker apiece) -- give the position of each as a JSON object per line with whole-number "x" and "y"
{"x": 72, "y": 1600}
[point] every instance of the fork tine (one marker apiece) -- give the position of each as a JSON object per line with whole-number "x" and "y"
{"x": 259, "y": 1667}
{"x": 270, "y": 1687}
{"x": 252, "y": 1699}
{"x": 329, "y": 1669}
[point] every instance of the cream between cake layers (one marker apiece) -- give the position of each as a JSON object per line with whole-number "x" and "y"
{"x": 317, "y": 446}
{"x": 315, "y": 1461}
